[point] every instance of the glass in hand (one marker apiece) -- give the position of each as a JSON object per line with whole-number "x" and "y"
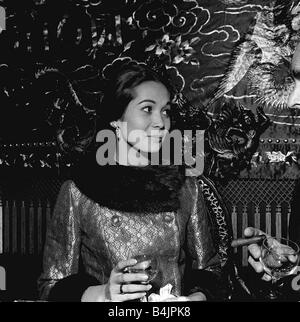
{"x": 146, "y": 264}
{"x": 280, "y": 257}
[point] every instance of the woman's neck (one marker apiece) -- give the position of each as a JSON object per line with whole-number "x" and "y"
{"x": 128, "y": 156}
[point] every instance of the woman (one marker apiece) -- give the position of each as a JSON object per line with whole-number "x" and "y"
{"x": 110, "y": 213}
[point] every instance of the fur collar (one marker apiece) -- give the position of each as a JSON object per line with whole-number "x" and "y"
{"x": 133, "y": 189}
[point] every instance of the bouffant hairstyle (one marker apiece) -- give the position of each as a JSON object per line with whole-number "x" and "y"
{"x": 119, "y": 89}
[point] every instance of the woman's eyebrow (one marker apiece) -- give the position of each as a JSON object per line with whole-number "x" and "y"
{"x": 147, "y": 101}
{"x": 153, "y": 102}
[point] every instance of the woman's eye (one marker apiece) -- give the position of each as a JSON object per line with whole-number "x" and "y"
{"x": 147, "y": 109}
{"x": 167, "y": 112}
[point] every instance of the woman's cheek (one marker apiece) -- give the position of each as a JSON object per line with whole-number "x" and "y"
{"x": 168, "y": 123}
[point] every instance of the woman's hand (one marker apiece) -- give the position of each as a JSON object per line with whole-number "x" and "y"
{"x": 255, "y": 252}
{"x": 121, "y": 286}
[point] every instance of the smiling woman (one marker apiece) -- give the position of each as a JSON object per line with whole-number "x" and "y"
{"x": 145, "y": 121}
{"x": 108, "y": 215}
{"x": 142, "y": 116}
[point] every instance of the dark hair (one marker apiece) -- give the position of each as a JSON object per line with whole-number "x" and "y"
{"x": 119, "y": 93}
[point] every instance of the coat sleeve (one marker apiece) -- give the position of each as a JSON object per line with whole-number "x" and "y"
{"x": 203, "y": 272}
{"x": 60, "y": 279}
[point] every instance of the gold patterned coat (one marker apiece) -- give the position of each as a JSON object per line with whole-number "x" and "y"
{"x": 87, "y": 237}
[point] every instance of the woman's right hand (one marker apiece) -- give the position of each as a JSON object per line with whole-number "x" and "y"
{"x": 124, "y": 286}
{"x": 121, "y": 286}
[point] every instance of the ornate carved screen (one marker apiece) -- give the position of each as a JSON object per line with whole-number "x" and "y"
{"x": 264, "y": 204}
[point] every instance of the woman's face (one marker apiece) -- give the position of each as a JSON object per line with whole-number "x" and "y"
{"x": 146, "y": 119}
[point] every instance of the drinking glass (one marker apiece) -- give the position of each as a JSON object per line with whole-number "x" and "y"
{"x": 280, "y": 257}
{"x": 147, "y": 264}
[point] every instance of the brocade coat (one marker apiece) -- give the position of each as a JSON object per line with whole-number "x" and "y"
{"x": 85, "y": 240}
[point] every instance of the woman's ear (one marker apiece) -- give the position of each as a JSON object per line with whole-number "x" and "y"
{"x": 116, "y": 126}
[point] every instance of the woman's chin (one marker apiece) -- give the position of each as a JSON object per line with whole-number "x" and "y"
{"x": 148, "y": 147}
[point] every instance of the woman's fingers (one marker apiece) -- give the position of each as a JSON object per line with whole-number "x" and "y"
{"x": 142, "y": 265}
{"x": 126, "y": 286}
{"x": 123, "y": 264}
{"x": 122, "y": 278}
{"x": 136, "y": 288}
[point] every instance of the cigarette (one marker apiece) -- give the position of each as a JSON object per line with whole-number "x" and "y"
{"x": 247, "y": 241}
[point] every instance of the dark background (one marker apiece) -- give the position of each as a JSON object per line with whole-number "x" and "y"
{"x": 199, "y": 42}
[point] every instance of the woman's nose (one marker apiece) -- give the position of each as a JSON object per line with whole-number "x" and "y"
{"x": 157, "y": 120}
{"x": 294, "y": 97}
